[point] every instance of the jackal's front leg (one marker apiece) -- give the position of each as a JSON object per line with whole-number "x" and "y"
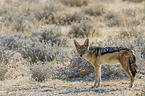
{"x": 97, "y": 76}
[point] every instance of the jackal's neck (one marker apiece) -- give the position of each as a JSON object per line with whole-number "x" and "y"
{"x": 89, "y": 56}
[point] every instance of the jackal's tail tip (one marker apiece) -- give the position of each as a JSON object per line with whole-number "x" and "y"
{"x": 132, "y": 65}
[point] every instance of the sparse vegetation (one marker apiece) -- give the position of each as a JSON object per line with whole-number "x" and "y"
{"x": 37, "y": 54}
{"x": 82, "y": 29}
{"x": 51, "y": 35}
{"x": 113, "y": 19}
{"x": 42, "y": 71}
{"x": 136, "y": 1}
{"x": 130, "y": 12}
{"x": 47, "y": 13}
{"x": 130, "y": 33}
{"x": 69, "y": 18}
{"x": 75, "y": 2}
{"x": 94, "y": 10}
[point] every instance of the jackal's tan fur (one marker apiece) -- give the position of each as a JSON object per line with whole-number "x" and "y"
{"x": 108, "y": 55}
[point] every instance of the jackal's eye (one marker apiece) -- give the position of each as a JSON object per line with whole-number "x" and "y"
{"x": 79, "y": 50}
{"x": 83, "y": 50}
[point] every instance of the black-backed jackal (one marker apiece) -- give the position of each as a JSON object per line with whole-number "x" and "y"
{"x": 108, "y": 55}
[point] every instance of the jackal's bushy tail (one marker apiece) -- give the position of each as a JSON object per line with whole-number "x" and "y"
{"x": 132, "y": 65}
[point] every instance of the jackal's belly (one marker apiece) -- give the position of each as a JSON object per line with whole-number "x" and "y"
{"x": 108, "y": 59}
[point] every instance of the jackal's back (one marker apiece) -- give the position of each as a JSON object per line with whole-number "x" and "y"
{"x": 97, "y": 51}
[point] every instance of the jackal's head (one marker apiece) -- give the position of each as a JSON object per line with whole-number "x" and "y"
{"x": 82, "y": 49}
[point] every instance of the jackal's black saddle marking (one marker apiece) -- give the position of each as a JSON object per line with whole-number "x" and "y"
{"x": 104, "y": 50}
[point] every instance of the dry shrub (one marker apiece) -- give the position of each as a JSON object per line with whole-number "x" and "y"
{"x": 82, "y": 29}
{"x": 75, "y": 2}
{"x": 39, "y": 72}
{"x": 143, "y": 52}
{"x": 30, "y": 47}
{"x": 42, "y": 46}
{"x": 136, "y": 1}
{"x": 130, "y": 12}
{"x": 113, "y": 72}
{"x": 130, "y": 17}
{"x": 113, "y": 19}
{"x": 3, "y": 70}
{"x": 94, "y": 10}
{"x": 15, "y": 17}
{"x": 35, "y": 51}
{"x": 52, "y": 35}
{"x": 19, "y": 23}
{"x": 4, "y": 59}
{"x": 128, "y": 32}
{"x": 77, "y": 68}
{"x": 134, "y": 22}
{"x": 68, "y": 18}
{"x": 16, "y": 67}
{"x": 19, "y": 15}
{"x": 42, "y": 70}
{"x": 47, "y": 13}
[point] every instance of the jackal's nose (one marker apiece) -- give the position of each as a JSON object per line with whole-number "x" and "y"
{"x": 80, "y": 55}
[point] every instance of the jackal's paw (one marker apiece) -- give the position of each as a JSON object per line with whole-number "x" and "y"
{"x": 94, "y": 87}
{"x": 130, "y": 86}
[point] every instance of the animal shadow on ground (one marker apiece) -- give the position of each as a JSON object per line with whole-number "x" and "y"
{"x": 86, "y": 90}
{"x": 98, "y": 90}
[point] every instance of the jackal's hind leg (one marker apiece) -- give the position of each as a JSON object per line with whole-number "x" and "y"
{"x": 131, "y": 82}
{"x": 125, "y": 65}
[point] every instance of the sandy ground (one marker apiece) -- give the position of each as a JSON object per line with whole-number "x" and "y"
{"x": 76, "y": 87}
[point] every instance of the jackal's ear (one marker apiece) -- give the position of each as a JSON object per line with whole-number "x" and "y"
{"x": 86, "y": 43}
{"x": 76, "y": 43}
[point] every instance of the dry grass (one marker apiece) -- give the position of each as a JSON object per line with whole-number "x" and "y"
{"x": 38, "y": 56}
{"x": 26, "y": 86}
{"x": 130, "y": 33}
{"x": 94, "y": 9}
{"x": 82, "y": 29}
{"x": 75, "y": 2}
